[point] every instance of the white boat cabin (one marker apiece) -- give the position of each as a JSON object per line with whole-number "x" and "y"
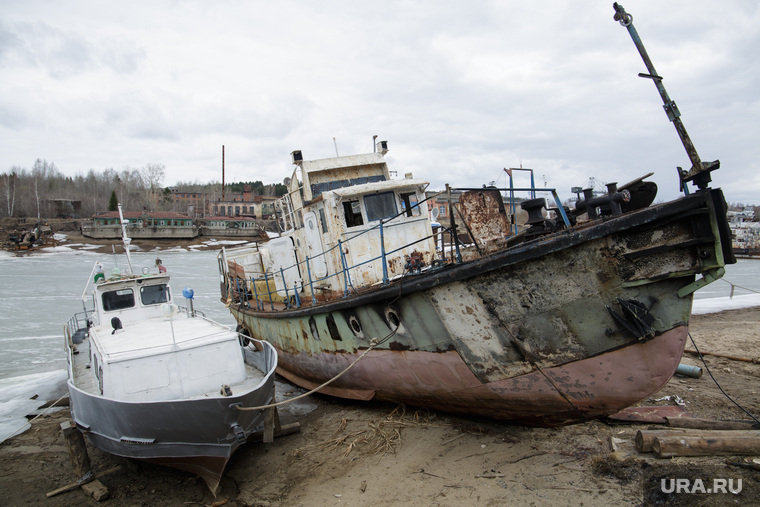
{"x": 345, "y": 222}
{"x": 143, "y": 349}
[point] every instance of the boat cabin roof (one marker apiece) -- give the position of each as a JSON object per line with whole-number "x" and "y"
{"x": 158, "y": 335}
{"x": 330, "y": 173}
{"x": 380, "y": 186}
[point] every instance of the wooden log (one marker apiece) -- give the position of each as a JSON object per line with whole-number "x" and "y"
{"x": 686, "y": 445}
{"x": 63, "y": 489}
{"x": 80, "y": 461}
{"x": 708, "y": 424}
{"x": 645, "y": 438}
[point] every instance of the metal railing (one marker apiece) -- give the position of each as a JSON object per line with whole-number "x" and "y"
{"x": 292, "y": 299}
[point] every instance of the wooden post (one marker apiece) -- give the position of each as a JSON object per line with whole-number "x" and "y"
{"x": 80, "y": 461}
{"x": 271, "y": 424}
{"x": 683, "y": 445}
{"x": 709, "y": 424}
{"x": 645, "y": 438}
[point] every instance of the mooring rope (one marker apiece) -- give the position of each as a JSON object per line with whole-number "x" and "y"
{"x": 735, "y": 286}
{"x": 372, "y": 344}
{"x": 36, "y": 417}
{"x": 719, "y": 386}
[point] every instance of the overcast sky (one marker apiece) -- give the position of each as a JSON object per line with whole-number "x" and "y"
{"x": 460, "y": 90}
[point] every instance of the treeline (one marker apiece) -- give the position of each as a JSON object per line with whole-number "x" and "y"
{"x": 31, "y": 193}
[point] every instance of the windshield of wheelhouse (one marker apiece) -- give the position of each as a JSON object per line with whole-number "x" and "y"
{"x": 379, "y": 206}
{"x": 118, "y": 299}
{"x": 154, "y": 294}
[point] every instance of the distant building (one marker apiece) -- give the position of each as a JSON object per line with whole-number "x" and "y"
{"x": 192, "y": 203}
{"x": 142, "y": 225}
{"x": 230, "y": 227}
{"x": 239, "y": 204}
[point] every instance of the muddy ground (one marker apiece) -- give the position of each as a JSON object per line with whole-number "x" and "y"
{"x": 351, "y": 453}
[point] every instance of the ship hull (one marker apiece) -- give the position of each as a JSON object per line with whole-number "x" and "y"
{"x": 573, "y": 325}
{"x": 569, "y": 393}
{"x": 198, "y": 435}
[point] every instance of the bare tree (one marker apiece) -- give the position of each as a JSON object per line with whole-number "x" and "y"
{"x": 9, "y": 189}
{"x": 39, "y": 172}
{"x": 153, "y": 174}
{"x": 131, "y": 189}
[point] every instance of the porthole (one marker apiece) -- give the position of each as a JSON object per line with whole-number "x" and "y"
{"x": 356, "y": 326}
{"x": 392, "y": 317}
{"x": 332, "y": 328}
{"x": 314, "y": 330}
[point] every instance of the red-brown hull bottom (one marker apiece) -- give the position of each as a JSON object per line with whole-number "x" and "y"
{"x": 581, "y": 390}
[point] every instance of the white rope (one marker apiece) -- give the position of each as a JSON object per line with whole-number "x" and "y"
{"x": 16, "y": 433}
{"x": 734, "y": 286}
{"x": 373, "y": 343}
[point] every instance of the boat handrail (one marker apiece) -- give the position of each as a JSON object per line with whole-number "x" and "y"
{"x": 291, "y": 296}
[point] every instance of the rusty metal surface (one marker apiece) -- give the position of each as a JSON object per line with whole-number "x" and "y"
{"x": 485, "y": 218}
{"x": 588, "y": 388}
{"x": 652, "y": 415}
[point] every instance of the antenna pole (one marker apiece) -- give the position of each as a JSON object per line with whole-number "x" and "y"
{"x": 126, "y": 240}
{"x": 700, "y": 171}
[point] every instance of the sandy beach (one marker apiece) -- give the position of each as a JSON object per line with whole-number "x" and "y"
{"x": 351, "y": 453}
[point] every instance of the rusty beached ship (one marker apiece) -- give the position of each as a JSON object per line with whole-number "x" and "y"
{"x": 582, "y": 313}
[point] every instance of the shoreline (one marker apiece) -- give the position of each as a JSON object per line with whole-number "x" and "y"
{"x": 75, "y": 241}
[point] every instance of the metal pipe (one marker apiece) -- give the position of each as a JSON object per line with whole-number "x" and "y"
{"x": 256, "y": 294}
{"x": 311, "y": 282}
{"x": 269, "y": 291}
{"x": 686, "y": 370}
{"x": 382, "y": 254}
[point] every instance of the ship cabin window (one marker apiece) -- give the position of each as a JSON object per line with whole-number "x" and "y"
{"x": 380, "y": 206}
{"x": 353, "y": 213}
{"x": 154, "y": 294}
{"x": 409, "y": 203}
{"x": 323, "y": 220}
{"x": 118, "y": 299}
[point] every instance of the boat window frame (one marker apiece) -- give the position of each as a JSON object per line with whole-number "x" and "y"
{"x": 375, "y": 213}
{"x": 117, "y": 301}
{"x": 163, "y": 290}
{"x": 350, "y": 216}
{"x": 322, "y": 219}
{"x": 410, "y": 209}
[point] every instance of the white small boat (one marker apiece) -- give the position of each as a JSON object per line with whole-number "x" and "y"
{"x": 152, "y": 381}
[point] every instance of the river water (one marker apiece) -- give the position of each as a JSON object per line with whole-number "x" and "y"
{"x": 42, "y": 290}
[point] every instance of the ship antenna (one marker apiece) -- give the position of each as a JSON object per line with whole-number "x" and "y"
{"x": 125, "y": 239}
{"x": 700, "y": 171}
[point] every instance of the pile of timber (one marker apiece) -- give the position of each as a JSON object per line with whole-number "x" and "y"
{"x": 700, "y": 437}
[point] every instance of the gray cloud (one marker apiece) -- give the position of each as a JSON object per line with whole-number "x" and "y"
{"x": 460, "y": 91}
